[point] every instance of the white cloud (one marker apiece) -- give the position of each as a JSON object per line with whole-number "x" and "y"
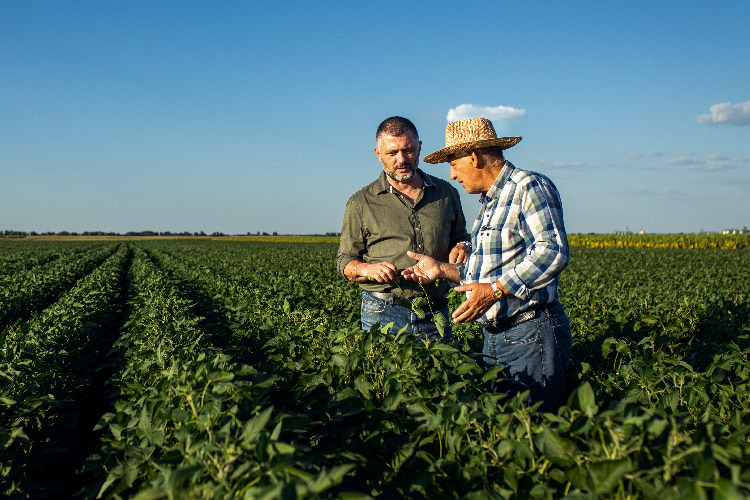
{"x": 546, "y": 164}
{"x": 727, "y": 113}
{"x": 653, "y": 153}
{"x": 498, "y": 113}
{"x": 712, "y": 162}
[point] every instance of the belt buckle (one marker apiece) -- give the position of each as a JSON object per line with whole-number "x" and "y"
{"x": 524, "y": 316}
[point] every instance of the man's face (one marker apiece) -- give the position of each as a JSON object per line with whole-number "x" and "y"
{"x": 399, "y": 155}
{"x": 464, "y": 171}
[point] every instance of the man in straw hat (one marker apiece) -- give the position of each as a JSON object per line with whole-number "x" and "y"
{"x": 511, "y": 275}
{"x": 403, "y": 210}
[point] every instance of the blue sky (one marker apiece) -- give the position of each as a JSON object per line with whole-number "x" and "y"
{"x": 256, "y": 116}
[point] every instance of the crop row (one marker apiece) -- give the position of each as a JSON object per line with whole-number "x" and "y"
{"x": 46, "y": 377}
{"x": 241, "y": 371}
{"x": 25, "y": 292}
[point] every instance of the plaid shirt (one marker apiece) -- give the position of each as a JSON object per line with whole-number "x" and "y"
{"x": 518, "y": 238}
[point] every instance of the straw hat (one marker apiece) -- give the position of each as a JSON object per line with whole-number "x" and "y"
{"x": 468, "y": 135}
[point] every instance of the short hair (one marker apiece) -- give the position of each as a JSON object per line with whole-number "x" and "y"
{"x": 396, "y": 126}
{"x": 491, "y": 153}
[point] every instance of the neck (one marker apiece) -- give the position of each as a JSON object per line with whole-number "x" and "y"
{"x": 493, "y": 171}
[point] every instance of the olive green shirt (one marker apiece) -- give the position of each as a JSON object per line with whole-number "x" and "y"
{"x": 380, "y": 224}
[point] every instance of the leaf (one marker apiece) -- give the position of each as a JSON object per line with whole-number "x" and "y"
{"x": 583, "y": 399}
{"x": 254, "y": 426}
{"x": 363, "y": 386}
{"x": 492, "y": 373}
{"x": 329, "y": 478}
{"x": 726, "y": 489}
{"x": 556, "y": 448}
{"x": 151, "y": 494}
{"x": 605, "y": 476}
{"x": 440, "y": 322}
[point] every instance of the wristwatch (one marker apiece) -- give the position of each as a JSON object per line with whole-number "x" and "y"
{"x": 496, "y": 291}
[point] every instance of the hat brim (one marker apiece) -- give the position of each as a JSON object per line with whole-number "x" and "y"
{"x": 442, "y": 155}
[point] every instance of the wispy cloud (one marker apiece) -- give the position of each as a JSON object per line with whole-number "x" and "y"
{"x": 498, "y": 113}
{"x": 727, "y": 113}
{"x": 709, "y": 163}
{"x": 647, "y": 192}
{"x": 654, "y": 153}
{"x": 546, "y": 164}
{"x": 687, "y": 161}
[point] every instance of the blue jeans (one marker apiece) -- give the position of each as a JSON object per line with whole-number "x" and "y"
{"x": 384, "y": 311}
{"x": 536, "y": 356}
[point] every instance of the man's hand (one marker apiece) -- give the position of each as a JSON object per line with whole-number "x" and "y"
{"x": 382, "y": 272}
{"x": 426, "y": 270}
{"x": 479, "y": 301}
{"x": 459, "y": 253}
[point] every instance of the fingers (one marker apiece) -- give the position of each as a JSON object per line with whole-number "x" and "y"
{"x": 462, "y": 256}
{"x": 415, "y": 274}
{"x": 415, "y": 255}
{"x": 453, "y": 256}
{"x": 383, "y": 272}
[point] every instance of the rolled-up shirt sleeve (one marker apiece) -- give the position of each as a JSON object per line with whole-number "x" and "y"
{"x": 352, "y": 245}
{"x": 541, "y": 224}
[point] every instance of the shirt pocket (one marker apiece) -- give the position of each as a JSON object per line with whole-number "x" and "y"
{"x": 498, "y": 239}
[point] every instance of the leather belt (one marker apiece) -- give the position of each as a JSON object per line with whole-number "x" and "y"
{"x": 515, "y": 320}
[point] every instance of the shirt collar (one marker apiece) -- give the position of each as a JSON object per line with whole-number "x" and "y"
{"x": 502, "y": 178}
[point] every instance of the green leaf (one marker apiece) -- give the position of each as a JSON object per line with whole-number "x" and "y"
{"x": 254, "y": 426}
{"x": 556, "y": 448}
{"x": 583, "y": 399}
{"x": 329, "y": 478}
{"x": 605, "y": 476}
{"x": 151, "y": 494}
{"x": 440, "y": 322}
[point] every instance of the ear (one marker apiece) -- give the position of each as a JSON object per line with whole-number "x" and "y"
{"x": 377, "y": 152}
{"x": 476, "y": 160}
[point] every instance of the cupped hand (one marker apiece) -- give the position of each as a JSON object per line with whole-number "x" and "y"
{"x": 382, "y": 272}
{"x": 459, "y": 253}
{"x": 426, "y": 270}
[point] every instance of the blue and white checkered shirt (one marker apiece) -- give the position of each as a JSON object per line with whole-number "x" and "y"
{"x": 518, "y": 238}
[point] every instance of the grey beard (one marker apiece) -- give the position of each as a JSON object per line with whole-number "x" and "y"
{"x": 402, "y": 178}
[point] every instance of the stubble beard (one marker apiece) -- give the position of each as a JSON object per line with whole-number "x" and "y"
{"x": 405, "y": 177}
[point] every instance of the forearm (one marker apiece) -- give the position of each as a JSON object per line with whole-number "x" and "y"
{"x": 537, "y": 270}
{"x": 355, "y": 271}
{"x": 449, "y": 272}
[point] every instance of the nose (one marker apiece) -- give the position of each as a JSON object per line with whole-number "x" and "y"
{"x": 452, "y": 173}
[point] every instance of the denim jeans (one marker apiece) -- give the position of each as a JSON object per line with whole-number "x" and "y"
{"x": 535, "y": 354}
{"x": 384, "y": 311}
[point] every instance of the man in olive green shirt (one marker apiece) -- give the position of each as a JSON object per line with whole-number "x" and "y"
{"x": 403, "y": 210}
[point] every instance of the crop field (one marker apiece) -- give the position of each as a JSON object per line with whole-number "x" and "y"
{"x": 215, "y": 369}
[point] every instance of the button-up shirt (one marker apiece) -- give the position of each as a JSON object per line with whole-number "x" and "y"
{"x": 518, "y": 238}
{"x": 381, "y": 224}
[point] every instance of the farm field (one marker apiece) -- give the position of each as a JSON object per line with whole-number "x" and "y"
{"x": 237, "y": 369}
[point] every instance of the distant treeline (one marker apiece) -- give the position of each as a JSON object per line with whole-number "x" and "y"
{"x": 11, "y": 233}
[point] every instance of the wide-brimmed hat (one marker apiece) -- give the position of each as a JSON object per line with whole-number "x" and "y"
{"x": 468, "y": 135}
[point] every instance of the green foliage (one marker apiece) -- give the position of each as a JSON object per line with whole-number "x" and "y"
{"x": 240, "y": 371}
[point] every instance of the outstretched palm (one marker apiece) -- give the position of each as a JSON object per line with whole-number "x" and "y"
{"x": 426, "y": 270}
